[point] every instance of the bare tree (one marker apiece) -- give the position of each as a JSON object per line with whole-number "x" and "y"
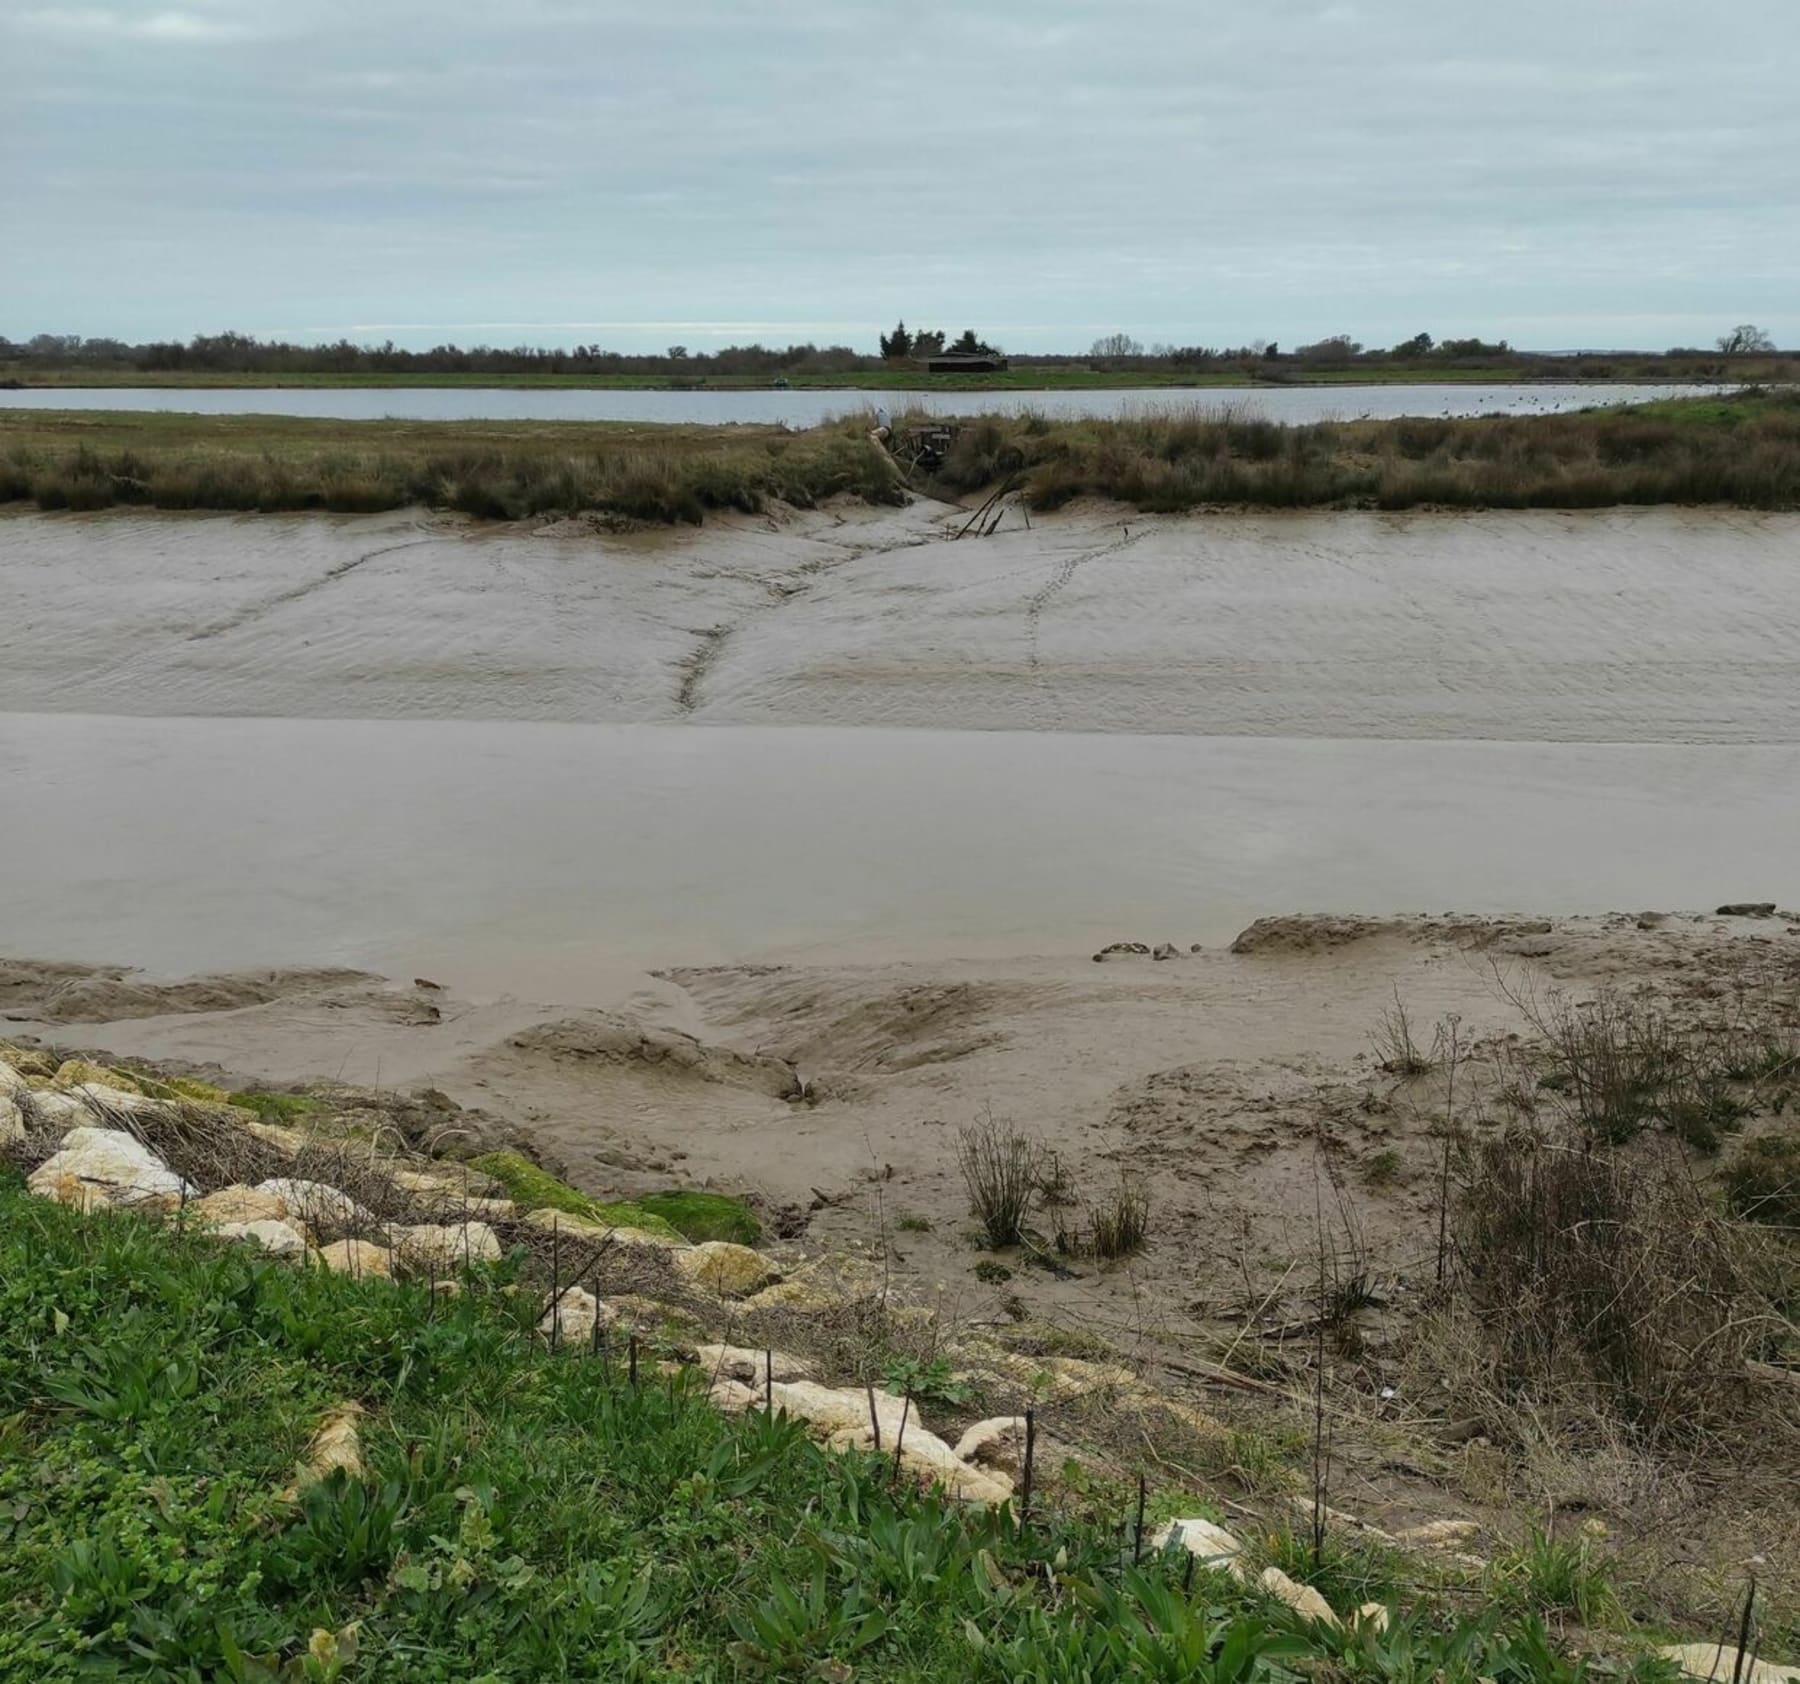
{"x": 1117, "y": 345}
{"x": 1745, "y": 339}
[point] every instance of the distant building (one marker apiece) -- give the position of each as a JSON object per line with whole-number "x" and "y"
{"x": 965, "y": 362}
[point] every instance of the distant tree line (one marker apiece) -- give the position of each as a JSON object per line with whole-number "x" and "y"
{"x": 239, "y": 353}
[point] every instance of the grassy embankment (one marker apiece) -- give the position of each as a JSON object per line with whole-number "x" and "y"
{"x": 523, "y": 1515}
{"x": 1742, "y": 451}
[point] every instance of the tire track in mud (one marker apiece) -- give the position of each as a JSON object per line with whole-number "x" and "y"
{"x": 781, "y": 588}
{"x": 251, "y": 612}
{"x": 1058, "y": 582}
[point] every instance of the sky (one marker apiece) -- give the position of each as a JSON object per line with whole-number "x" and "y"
{"x": 1560, "y": 173}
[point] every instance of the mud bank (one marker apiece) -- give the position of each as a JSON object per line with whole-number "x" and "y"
{"x": 1638, "y": 626}
{"x": 833, "y": 1093}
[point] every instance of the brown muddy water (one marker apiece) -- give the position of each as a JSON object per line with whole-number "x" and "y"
{"x": 552, "y": 861}
{"x": 539, "y": 763}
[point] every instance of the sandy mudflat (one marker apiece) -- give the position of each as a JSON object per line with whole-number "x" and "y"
{"x": 1613, "y": 626}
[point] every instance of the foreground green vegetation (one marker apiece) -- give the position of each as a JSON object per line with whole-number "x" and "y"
{"x": 522, "y": 1515}
{"x": 1742, "y": 450}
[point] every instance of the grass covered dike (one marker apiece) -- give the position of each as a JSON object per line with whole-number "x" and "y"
{"x": 528, "y": 1515}
{"x": 1741, "y": 451}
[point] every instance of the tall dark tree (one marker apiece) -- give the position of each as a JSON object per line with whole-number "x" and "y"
{"x": 897, "y": 344}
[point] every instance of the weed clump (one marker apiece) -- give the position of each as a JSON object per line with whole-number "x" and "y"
{"x": 1115, "y": 1226}
{"x": 1000, "y": 1170}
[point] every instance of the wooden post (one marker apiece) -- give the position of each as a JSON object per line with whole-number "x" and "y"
{"x": 874, "y": 1420}
{"x": 1137, "y": 1542}
{"x": 555, "y": 1283}
{"x": 768, "y": 1382}
{"x": 632, "y": 1358}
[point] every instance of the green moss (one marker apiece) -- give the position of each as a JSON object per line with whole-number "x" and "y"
{"x": 705, "y": 1216}
{"x": 274, "y": 1107}
{"x": 533, "y": 1188}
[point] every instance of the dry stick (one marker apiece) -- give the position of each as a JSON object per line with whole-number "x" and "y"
{"x": 633, "y": 1361}
{"x": 768, "y": 1382}
{"x": 594, "y": 1331}
{"x": 1137, "y": 1544}
{"x": 1443, "y": 1239}
{"x": 1743, "y": 1648}
{"x": 1030, "y": 1455}
{"x": 874, "y": 1420}
{"x": 900, "y": 1437}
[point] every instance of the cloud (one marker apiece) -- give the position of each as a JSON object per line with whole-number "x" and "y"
{"x": 179, "y": 26}
{"x": 1039, "y": 169}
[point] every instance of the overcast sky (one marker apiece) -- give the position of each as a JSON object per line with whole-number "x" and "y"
{"x": 1558, "y": 172}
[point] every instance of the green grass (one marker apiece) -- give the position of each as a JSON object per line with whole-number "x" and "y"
{"x": 704, "y": 1216}
{"x": 532, "y": 1188}
{"x": 1743, "y": 451}
{"x": 525, "y": 1516}
{"x": 1559, "y": 1576}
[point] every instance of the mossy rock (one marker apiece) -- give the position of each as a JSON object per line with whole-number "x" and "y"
{"x": 33, "y": 1066}
{"x": 78, "y": 1072}
{"x": 704, "y": 1216}
{"x": 533, "y": 1188}
{"x": 271, "y": 1107}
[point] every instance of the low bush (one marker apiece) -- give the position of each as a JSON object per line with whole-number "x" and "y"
{"x": 1611, "y": 1276}
{"x": 1763, "y": 1180}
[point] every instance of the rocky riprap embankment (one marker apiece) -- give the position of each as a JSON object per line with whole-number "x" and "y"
{"x": 87, "y": 1136}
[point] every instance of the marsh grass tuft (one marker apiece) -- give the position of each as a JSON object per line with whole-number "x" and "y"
{"x": 1000, "y": 1170}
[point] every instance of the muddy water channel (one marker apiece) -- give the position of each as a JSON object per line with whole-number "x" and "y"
{"x": 537, "y": 762}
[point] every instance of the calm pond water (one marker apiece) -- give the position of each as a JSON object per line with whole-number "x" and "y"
{"x": 808, "y": 408}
